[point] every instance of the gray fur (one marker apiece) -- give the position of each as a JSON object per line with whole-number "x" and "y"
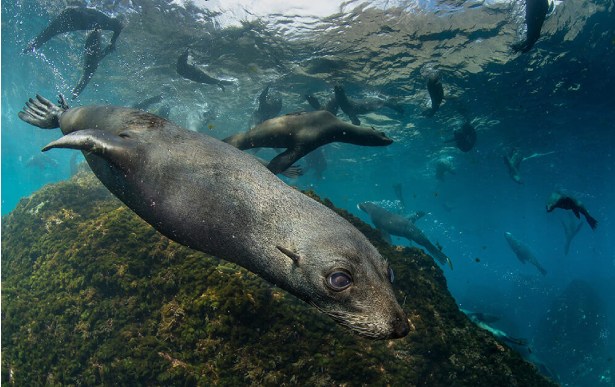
{"x": 301, "y": 133}
{"x": 212, "y": 197}
{"x": 392, "y": 224}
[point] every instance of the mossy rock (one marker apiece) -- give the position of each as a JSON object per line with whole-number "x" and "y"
{"x": 92, "y": 295}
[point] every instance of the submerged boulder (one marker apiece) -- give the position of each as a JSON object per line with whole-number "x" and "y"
{"x": 92, "y": 295}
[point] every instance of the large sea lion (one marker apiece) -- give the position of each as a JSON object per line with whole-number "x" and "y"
{"x": 567, "y": 202}
{"x": 523, "y": 252}
{"x": 212, "y": 197}
{"x": 301, "y": 133}
{"x": 75, "y": 19}
{"x": 535, "y": 14}
{"x": 91, "y": 58}
{"x": 392, "y": 224}
{"x": 196, "y": 74}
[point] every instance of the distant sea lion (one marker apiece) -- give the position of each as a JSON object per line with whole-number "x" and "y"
{"x": 267, "y": 107}
{"x": 91, "y": 58}
{"x": 523, "y": 252}
{"x": 465, "y": 137}
{"x": 301, "y": 133}
{"x": 354, "y": 108}
{"x": 331, "y": 106}
{"x": 75, "y": 19}
{"x": 478, "y": 319}
{"x": 392, "y": 224}
{"x": 535, "y": 14}
{"x": 212, "y": 197}
{"x": 566, "y": 202}
{"x": 196, "y": 74}
{"x": 436, "y": 92}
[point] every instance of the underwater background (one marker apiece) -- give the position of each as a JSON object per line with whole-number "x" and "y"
{"x": 554, "y": 104}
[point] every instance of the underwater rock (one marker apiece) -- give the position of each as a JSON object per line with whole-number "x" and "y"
{"x": 93, "y": 295}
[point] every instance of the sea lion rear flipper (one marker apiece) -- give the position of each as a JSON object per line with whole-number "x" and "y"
{"x": 107, "y": 145}
{"x": 590, "y": 220}
{"x": 42, "y": 112}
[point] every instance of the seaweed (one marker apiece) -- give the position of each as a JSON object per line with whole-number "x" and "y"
{"x": 92, "y": 295}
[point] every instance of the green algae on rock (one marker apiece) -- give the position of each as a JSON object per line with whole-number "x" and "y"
{"x": 92, "y": 295}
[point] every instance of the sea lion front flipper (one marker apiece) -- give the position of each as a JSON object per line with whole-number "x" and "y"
{"x": 112, "y": 148}
{"x": 285, "y": 160}
{"x": 386, "y": 236}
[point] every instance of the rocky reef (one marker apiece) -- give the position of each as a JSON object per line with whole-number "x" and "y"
{"x": 92, "y": 295}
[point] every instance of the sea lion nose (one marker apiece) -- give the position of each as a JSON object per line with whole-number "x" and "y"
{"x": 401, "y": 327}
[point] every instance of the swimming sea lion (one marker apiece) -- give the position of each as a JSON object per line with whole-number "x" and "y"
{"x": 331, "y": 106}
{"x": 74, "y": 19}
{"x": 91, "y": 58}
{"x": 196, "y": 74}
{"x": 566, "y": 202}
{"x": 392, "y": 224}
{"x": 301, "y": 133}
{"x": 478, "y": 319}
{"x": 523, "y": 252}
{"x": 535, "y": 14}
{"x": 436, "y": 92}
{"x": 267, "y": 107}
{"x": 212, "y": 197}
{"x": 465, "y": 137}
{"x": 353, "y": 108}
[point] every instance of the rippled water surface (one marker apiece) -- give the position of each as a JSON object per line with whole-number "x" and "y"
{"x": 555, "y": 104}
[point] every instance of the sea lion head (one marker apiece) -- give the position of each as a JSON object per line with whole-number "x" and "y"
{"x": 553, "y": 200}
{"x": 343, "y": 275}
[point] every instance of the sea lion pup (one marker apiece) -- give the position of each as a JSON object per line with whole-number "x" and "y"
{"x": 75, "y": 19}
{"x": 353, "y": 108}
{"x": 523, "y": 252}
{"x": 392, "y": 224}
{"x": 267, "y": 107}
{"x": 535, "y": 14}
{"x": 196, "y": 74}
{"x": 301, "y": 133}
{"x": 212, "y": 197}
{"x": 567, "y": 202}
{"x": 91, "y": 58}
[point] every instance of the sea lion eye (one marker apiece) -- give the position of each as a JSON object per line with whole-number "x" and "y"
{"x": 391, "y": 274}
{"x": 339, "y": 280}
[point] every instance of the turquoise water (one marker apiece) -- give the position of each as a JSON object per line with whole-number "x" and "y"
{"x": 555, "y": 102}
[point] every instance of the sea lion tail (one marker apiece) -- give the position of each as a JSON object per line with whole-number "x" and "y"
{"x": 43, "y": 113}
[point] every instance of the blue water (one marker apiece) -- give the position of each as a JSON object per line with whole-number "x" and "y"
{"x": 556, "y": 98}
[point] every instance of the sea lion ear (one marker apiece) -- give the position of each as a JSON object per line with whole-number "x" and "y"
{"x": 290, "y": 254}
{"x": 109, "y": 146}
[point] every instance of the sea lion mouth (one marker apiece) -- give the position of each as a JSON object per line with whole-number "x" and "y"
{"x": 368, "y": 325}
